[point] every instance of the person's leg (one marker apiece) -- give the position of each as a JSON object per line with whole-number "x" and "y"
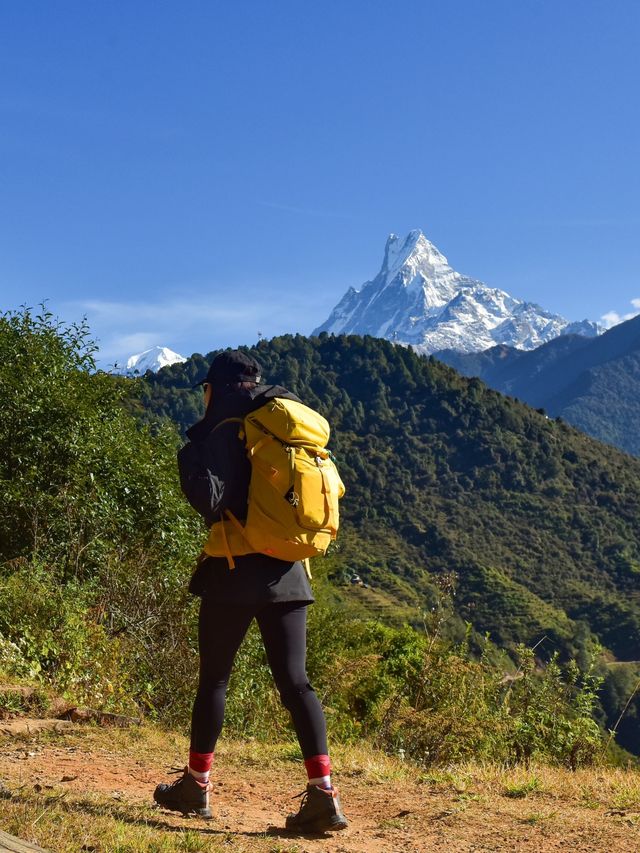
{"x": 284, "y": 632}
{"x": 221, "y": 630}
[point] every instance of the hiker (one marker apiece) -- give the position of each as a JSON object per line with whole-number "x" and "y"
{"x": 215, "y": 474}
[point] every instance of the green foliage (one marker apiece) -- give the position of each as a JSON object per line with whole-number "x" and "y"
{"x": 80, "y": 479}
{"x": 57, "y": 638}
{"x": 554, "y": 711}
{"x": 419, "y": 694}
{"x": 95, "y": 538}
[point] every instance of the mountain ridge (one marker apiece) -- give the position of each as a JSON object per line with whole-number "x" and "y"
{"x": 592, "y": 383}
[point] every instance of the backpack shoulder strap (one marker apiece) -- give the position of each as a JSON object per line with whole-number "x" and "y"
{"x": 232, "y": 421}
{"x": 228, "y": 421}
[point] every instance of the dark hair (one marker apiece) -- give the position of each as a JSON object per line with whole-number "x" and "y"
{"x": 228, "y": 389}
{"x": 240, "y": 386}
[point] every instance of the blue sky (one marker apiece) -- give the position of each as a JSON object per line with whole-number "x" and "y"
{"x": 192, "y": 173}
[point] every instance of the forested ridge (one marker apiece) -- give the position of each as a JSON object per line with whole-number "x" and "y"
{"x": 539, "y": 523}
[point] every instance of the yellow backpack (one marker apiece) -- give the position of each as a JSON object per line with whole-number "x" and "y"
{"x": 292, "y": 511}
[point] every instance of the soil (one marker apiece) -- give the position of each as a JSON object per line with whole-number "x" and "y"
{"x": 408, "y": 816}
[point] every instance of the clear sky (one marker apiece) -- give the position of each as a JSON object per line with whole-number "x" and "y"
{"x": 189, "y": 174}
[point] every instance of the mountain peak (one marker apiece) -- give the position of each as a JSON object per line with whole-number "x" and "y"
{"x": 152, "y": 359}
{"x": 412, "y": 253}
{"x": 418, "y": 299}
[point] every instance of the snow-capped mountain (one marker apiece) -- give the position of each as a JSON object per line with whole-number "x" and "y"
{"x": 418, "y": 299}
{"x": 151, "y": 359}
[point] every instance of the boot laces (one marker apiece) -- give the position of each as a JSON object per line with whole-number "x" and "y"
{"x": 303, "y": 796}
{"x": 173, "y": 772}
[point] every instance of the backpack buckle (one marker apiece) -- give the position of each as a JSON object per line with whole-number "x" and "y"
{"x": 293, "y": 497}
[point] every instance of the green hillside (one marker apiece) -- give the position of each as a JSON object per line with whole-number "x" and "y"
{"x": 605, "y": 402}
{"x": 594, "y": 383}
{"x": 538, "y": 524}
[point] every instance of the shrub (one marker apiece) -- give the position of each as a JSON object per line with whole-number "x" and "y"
{"x": 57, "y": 638}
{"x": 80, "y": 478}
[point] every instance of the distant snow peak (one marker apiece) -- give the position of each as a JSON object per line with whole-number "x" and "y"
{"x": 152, "y": 359}
{"x": 418, "y": 299}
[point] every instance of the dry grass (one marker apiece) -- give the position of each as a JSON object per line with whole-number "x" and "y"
{"x": 602, "y": 786}
{"x": 104, "y": 805}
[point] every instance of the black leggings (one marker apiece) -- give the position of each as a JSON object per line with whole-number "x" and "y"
{"x": 283, "y": 627}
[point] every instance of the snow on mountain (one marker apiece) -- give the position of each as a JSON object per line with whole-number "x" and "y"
{"x": 151, "y": 359}
{"x": 418, "y": 299}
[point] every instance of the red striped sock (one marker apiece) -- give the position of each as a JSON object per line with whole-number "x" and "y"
{"x": 319, "y": 771}
{"x": 200, "y": 765}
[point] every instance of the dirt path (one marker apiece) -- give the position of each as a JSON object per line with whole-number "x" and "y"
{"x": 94, "y": 773}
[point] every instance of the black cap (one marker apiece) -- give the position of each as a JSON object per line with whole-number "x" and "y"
{"x": 230, "y": 367}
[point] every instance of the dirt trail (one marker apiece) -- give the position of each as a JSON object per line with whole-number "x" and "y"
{"x": 249, "y": 802}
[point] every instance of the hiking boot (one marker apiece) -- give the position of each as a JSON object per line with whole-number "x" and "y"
{"x": 319, "y": 812}
{"x": 185, "y": 795}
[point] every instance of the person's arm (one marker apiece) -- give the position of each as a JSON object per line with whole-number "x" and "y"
{"x": 202, "y": 485}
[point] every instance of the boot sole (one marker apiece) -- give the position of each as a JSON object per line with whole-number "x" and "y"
{"x": 335, "y": 824}
{"x": 204, "y": 813}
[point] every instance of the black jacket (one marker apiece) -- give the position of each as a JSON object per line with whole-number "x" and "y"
{"x": 214, "y": 475}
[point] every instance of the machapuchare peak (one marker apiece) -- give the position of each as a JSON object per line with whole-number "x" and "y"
{"x": 413, "y": 254}
{"x": 417, "y": 298}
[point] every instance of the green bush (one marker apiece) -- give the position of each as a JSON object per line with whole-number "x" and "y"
{"x": 96, "y": 540}
{"x": 423, "y": 696}
{"x": 53, "y": 628}
{"x": 80, "y": 479}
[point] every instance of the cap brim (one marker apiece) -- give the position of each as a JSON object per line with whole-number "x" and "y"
{"x": 249, "y": 378}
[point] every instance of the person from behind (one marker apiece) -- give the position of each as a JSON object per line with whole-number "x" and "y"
{"x": 215, "y": 473}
